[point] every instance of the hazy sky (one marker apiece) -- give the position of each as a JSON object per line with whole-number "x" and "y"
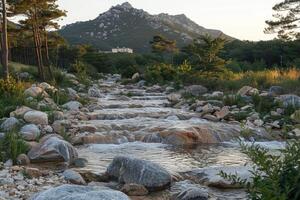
{"x": 242, "y": 19}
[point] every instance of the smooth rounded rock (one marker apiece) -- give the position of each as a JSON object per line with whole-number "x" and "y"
{"x": 36, "y": 117}
{"x": 53, "y": 149}
{"x": 132, "y": 170}
{"x": 77, "y": 192}
{"x": 73, "y": 177}
{"x": 10, "y": 124}
{"x": 30, "y": 132}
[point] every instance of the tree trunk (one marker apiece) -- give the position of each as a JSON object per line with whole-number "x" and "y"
{"x": 4, "y": 41}
{"x": 47, "y": 54}
{"x": 37, "y": 44}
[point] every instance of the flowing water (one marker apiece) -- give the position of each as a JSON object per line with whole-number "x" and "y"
{"x": 126, "y": 119}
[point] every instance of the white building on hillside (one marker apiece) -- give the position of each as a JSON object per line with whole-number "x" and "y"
{"x": 122, "y": 50}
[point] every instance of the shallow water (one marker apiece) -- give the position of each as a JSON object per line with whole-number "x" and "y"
{"x": 174, "y": 159}
{"x": 145, "y": 113}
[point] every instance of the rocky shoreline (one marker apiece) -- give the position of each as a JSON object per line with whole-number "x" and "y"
{"x": 108, "y": 112}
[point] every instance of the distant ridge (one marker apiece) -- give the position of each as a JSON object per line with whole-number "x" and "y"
{"x": 126, "y": 26}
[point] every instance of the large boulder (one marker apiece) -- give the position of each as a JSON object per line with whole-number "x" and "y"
{"x": 72, "y": 105}
{"x": 289, "y": 100}
{"x": 34, "y": 91}
{"x": 132, "y": 170}
{"x": 10, "y": 124}
{"x": 30, "y": 132}
{"x": 77, "y": 192}
{"x": 20, "y": 112}
{"x": 94, "y": 92}
{"x": 36, "y": 117}
{"x": 196, "y": 90}
{"x": 247, "y": 91}
{"x": 276, "y": 91}
{"x": 52, "y": 148}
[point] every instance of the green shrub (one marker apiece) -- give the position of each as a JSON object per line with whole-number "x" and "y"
{"x": 60, "y": 97}
{"x": 275, "y": 177}
{"x": 161, "y": 73}
{"x": 11, "y": 146}
{"x": 231, "y": 100}
{"x": 11, "y": 96}
{"x": 264, "y": 105}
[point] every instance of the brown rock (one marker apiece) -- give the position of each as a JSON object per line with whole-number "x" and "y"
{"x": 223, "y": 112}
{"x": 132, "y": 189}
{"x": 32, "y": 172}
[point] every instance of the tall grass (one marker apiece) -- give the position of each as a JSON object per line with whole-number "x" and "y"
{"x": 11, "y": 95}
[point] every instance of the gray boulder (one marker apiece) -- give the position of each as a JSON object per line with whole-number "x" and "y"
{"x": 94, "y": 92}
{"x": 72, "y": 105}
{"x": 186, "y": 190}
{"x": 289, "y": 100}
{"x": 52, "y": 148}
{"x": 34, "y": 91}
{"x": 132, "y": 170}
{"x": 196, "y": 90}
{"x": 276, "y": 91}
{"x": 77, "y": 192}
{"x": 73, "y": 177}
{"x": 10, "y": 124}
{"x": 36, "y": 117}
{"x": 30, "y": 132}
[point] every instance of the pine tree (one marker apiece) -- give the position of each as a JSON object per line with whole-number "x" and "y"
{"x": 204, "y": 51}
{"x": 39, "y": 17}
{"x": 286, "y": 20}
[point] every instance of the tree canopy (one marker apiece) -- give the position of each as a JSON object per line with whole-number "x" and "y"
{"x": 286, "y": 20}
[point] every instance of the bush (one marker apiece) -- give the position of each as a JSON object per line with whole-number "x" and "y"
{"x": 275, "y": 177}
{"x": 11, "y": 96}
{"x": 161, "y": 73}
{"x": 12, "y": 146}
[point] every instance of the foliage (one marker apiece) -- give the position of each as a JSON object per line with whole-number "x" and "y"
{"x": 286, "y": 22}
{"x": 11, "y": 146}
{"x": 11, "y": 95}
{"x": 264, "y": 105}
{"x": 275, "y": 177}
{"x": 204, "y": 54}
{"x": 160, "y": 73}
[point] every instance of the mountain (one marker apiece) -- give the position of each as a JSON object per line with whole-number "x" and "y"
{"x": 125, "y": 26}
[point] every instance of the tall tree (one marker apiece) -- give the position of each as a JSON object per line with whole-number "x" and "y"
{"x": 40, "y": 15}
{"x": 286, "y": 22}
{"x": 4, "y": 41}
{"x": 204, "y": 54}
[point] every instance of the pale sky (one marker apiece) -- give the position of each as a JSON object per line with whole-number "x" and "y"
{"x": 242, "y": 19}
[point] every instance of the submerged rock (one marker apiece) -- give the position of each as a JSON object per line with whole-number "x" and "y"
{"x": 132, "y": 170}
{"x": 53, "y": 149}
{"x": 134, "y": 190}
{"x": 210, "y": 176}
{"x": 76, "y": 192}
{"x": 186, "y": 190}
{"x": 73, "y": 177}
